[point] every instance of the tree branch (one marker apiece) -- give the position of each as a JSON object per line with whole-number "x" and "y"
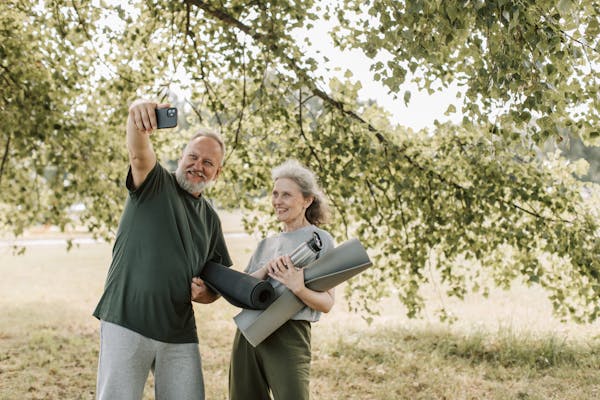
{"x": 8, "y": 77}
{"x": 266, "y": 41}
{"x": 244, "y": 101}
{"x": 5, "y": 157}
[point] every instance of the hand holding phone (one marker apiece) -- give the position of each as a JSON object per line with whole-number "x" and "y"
{"x": 166, "y": 117}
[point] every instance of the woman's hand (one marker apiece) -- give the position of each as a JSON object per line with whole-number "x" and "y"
{"x": 282, "y": 269}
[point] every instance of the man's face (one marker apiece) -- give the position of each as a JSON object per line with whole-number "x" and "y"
{"x": 199, "y": 165}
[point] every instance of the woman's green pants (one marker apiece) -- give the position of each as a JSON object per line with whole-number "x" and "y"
{"x": 280, "y": 365}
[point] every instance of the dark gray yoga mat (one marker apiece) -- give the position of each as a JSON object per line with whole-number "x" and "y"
{"x": 335, "y": 267}
{"x": 238, "y": 288}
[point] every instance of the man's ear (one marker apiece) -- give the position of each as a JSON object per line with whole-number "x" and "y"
{"x": 218, "y": 173}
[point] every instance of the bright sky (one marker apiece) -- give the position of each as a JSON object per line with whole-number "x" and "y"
{"x": 422, "y": 110}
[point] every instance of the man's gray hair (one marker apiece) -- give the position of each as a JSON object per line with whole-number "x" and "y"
{"x": 210, "y": 133}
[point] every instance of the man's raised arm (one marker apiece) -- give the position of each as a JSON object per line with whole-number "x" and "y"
{"x": 140, "y": 125}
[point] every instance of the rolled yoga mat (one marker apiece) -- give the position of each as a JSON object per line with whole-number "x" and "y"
{"x": 335, "y": 267}
{"x": 238, "y": 288}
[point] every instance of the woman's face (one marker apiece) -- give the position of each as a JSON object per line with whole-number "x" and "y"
{"x": 288, "y": 202}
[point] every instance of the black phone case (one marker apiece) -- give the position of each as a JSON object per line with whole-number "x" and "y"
{"x": 166, "y": 117}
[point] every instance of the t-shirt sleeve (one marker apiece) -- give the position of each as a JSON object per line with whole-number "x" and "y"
{"x": 327, "y": 241}
{"x": 220, "y": 254}
{"x": 255, "y": 258}
{"x": 151, "y": 183}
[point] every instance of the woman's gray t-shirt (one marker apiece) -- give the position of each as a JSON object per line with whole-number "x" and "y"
{"x": 283, "y": 244}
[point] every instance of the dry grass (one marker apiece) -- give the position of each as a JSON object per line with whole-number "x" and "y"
{"x": 505, "y": 347}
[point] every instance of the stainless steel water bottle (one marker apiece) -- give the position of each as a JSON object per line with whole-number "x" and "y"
{"x": 307, "y": 252}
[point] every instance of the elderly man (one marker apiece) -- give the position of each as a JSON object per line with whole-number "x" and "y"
{"x": 168, "y": 231}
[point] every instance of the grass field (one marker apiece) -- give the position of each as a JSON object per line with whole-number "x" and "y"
{"x": 505, "y": 347}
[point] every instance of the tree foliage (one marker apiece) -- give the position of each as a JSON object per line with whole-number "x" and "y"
{"x": 534, "y": 61}
{"x": 459, "y": 204}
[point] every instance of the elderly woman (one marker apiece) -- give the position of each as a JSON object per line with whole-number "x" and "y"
{"x": 281, "y": 363}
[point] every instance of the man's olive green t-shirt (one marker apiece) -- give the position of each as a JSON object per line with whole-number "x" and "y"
{"x": 165, "y": 237}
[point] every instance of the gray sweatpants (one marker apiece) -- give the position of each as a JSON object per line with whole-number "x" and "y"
{"x": 126, "y": 357}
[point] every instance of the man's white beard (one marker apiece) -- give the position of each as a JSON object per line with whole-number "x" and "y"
{"x": 188, "y": 186}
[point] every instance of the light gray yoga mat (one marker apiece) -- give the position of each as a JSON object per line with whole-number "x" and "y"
{"x": 335, "y": 267}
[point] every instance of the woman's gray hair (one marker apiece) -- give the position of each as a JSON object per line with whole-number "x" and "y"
{"x": 318, "y": 211}
{"x": 207, "y": 132}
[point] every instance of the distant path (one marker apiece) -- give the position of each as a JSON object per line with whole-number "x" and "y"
{"x": 75, "y": 241}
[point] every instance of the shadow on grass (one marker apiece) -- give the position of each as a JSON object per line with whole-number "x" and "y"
{"x": 504, "y": 348}
{"x": 399, "y": 363}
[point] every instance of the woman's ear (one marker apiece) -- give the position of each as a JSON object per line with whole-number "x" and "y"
{"x": 308, "y": 201}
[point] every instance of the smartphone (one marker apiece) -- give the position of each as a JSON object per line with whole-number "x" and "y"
{"x": 166, "y": 117}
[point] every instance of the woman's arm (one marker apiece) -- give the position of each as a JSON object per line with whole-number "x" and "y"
{"x": 260, "y": 273}
{"x": 283, "y": 270}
